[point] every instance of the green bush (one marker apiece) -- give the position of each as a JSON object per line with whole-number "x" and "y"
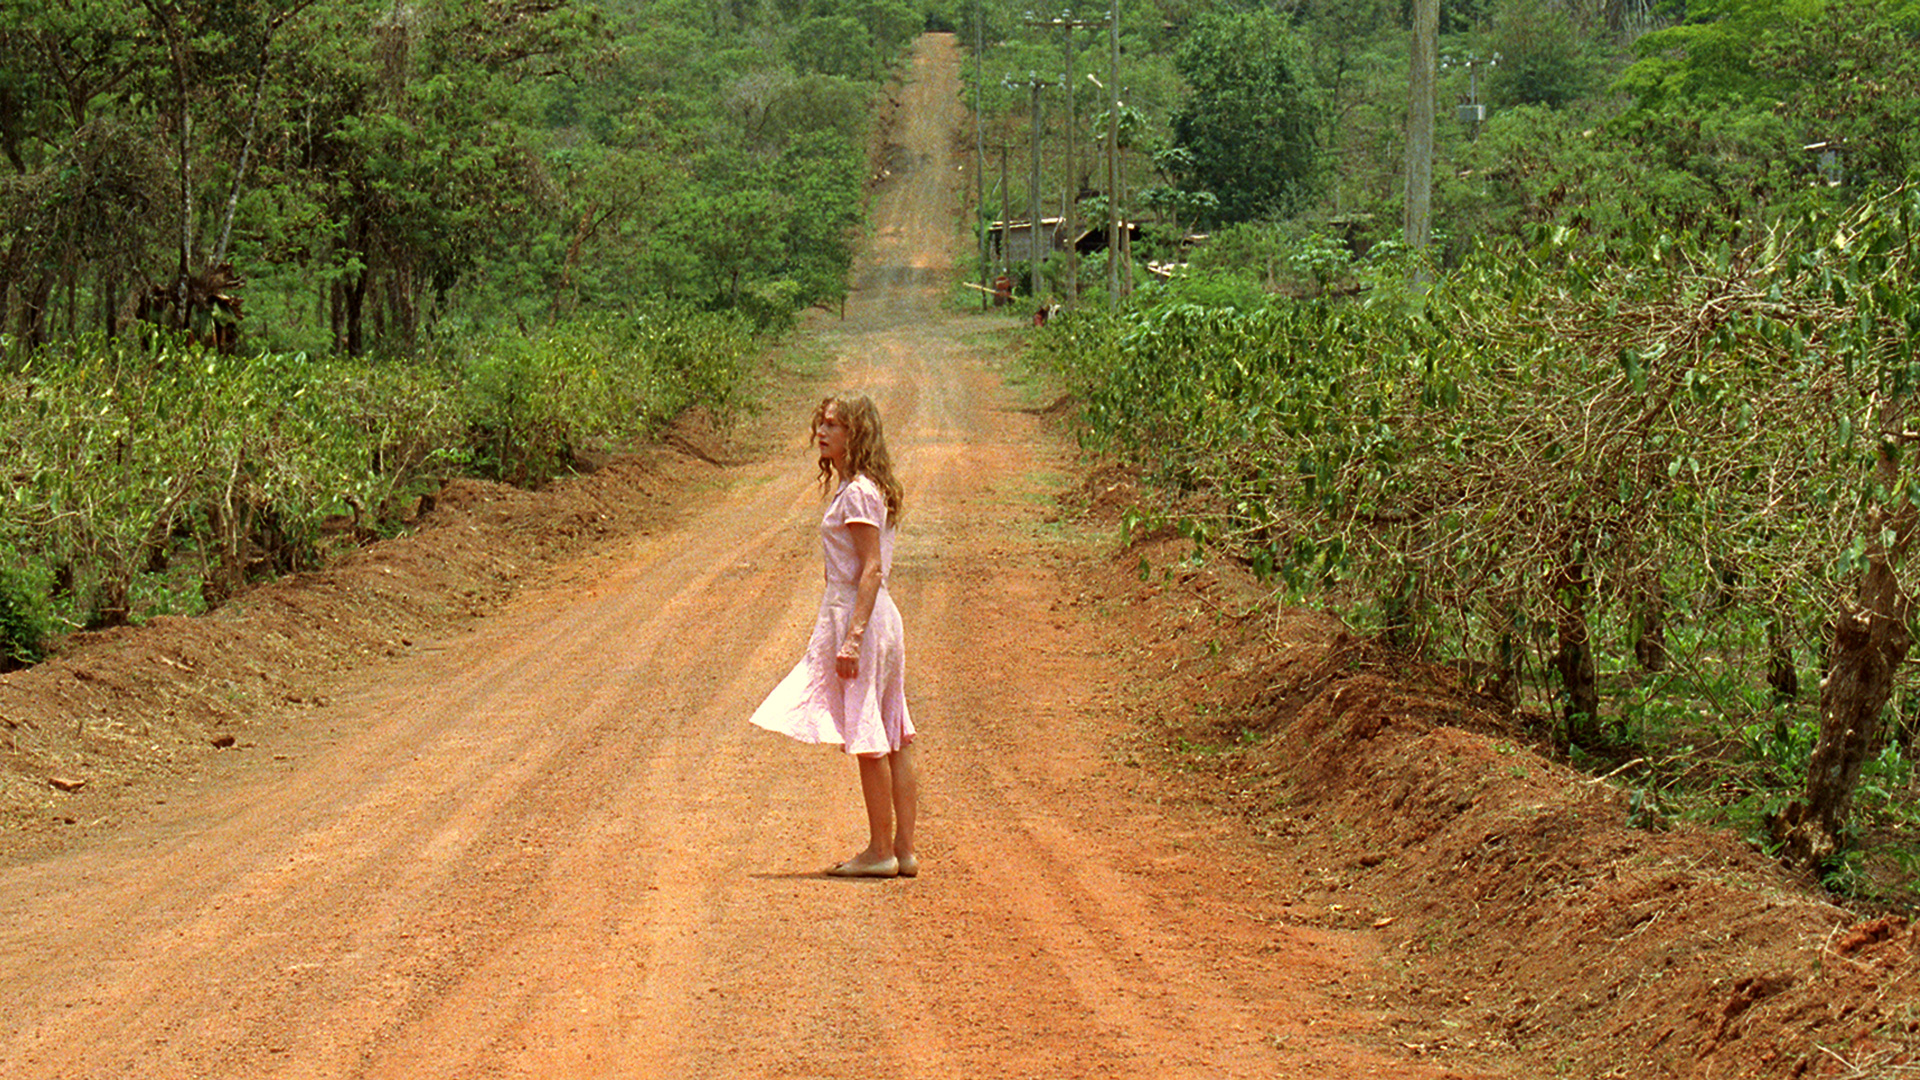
{"x": 532, "y": 404}
{"x": 1677, "y": 457}
{"x": 24, "y": 625}
{"x": 162, "y": 479}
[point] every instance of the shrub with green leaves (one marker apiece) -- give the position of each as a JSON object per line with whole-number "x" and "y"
{"x": 24, "y": 626}
{"x": 130, "y": 459}
{"x": 160, "y": 479}
{"x": 534, "y": 403}
{"x": 1579, "y": 472}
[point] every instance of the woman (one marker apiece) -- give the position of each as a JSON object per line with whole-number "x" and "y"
{"x": 850, "y": 687}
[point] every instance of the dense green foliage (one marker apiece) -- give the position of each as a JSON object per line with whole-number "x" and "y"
{"x": 152, "y": 480}
{"x": 272, "y": 268}
{"x": 1630, "y": 442}
{"x": 1250, "y": 121}
{"x": 531, "y": 404}
{"x": 378, "y": 175}
{"x": 1675, "y": 462}
{"x": 1715, "y": 119}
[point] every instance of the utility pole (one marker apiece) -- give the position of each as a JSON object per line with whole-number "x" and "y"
{"x": 1033, "y": 189}
{"x": 1419, "y": 207}
{"x": 1113, "y": 225}
{"x": 979, "y": 153}
{"x": 1113, "y": 159}
{"x": 1006, "y": 210}
{"x": 1002, "y": 195}
{"x": 1035, "y": 84}
{"x": 1471, "y": 112}
{"x": 1069, "y": 24}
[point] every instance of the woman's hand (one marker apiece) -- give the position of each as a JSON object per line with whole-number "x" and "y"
{"x": 846, "y": 663}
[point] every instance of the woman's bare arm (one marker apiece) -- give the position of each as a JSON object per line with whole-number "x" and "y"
{"x": 866, "y": 545}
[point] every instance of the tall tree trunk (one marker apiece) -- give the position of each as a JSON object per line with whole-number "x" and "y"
{"x": 568, "y": 287}
{"x": 72, "y": 274}
{"x": 1870, "y": 641}
{"x": 167, "y": 16}
{"x": 403, "y": 310}
{"x": 13, "y": 129}
{"x": 34, "y": 301}
{"x": 356, "y": 302}
{"x": 106, "y": 305}
{"x": 353, "y": 290}
{"x": 9, "y": 270}
{"x": 337, "y": 314}
{"x": 253, "y": 126}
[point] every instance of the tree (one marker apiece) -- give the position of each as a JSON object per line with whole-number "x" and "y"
{"x": 84, "y": 185}
{"x": 1856, "y": 83}
{"x": 1868, "y": 267}
{"x": 1545, "y": 59}
{"x": 372, "y": 167}
{"x": 823, "y": 175}
{"x": 736, "y": 234}
{"x": 835, "y": 46}
{"x": 425, "y": 161}
{"x": 1724, "y": 104}
{"x": 1250, "y": 120}
{"x": 1710, "y": 56}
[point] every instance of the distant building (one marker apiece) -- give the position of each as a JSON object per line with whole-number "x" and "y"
{"x": 1012, "y": 241}
{"x": 1095, "y": 238}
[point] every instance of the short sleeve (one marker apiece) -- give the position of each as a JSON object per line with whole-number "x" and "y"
{"x": 864, "y": 504}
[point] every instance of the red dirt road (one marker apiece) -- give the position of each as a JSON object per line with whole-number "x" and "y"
{"x": 552, "y": 847}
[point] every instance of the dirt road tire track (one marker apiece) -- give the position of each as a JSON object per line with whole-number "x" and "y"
{"x": 551, "y": 847}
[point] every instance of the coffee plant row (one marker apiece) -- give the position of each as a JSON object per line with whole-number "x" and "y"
{"x": 1667, "y": 481}
{"x": 148, "y": 478}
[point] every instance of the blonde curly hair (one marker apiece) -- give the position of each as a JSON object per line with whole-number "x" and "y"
{"x": 866, "y": 448}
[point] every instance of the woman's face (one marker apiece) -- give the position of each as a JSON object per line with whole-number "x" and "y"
{"x": 830, "y": 435}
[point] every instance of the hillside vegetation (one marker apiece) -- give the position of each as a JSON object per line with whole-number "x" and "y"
{"x": 1628, "y": 443}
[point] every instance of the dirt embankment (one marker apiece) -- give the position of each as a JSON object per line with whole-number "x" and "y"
{"x": 1519, "y": 907}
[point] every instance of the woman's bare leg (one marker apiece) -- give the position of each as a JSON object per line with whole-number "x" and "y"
{"x": 876, "y": 788}
{"x": 906, "y": 800}
{"x": 890, "y": 788}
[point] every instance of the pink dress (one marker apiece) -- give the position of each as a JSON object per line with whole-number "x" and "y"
{"x": 866, "y": 714}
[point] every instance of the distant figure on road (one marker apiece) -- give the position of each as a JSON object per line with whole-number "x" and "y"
{"x": 850, "y": 687}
